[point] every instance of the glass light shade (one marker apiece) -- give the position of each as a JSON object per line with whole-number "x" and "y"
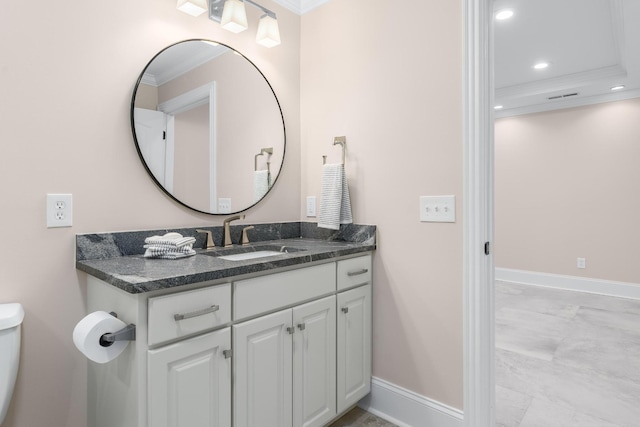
{"x": 268, "y": 32}
{"x": 234, "y": 16}
{"x": 192, "y": 7}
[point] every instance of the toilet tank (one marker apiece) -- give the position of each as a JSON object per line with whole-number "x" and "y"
{"x": 11, "y": 316}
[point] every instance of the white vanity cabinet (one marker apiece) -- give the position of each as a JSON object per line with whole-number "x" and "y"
{"x": 285, "y": 349}
{"x": 354, "y": 346}
{"x": 189, "y": 382}
{"x": 285, "y": 367}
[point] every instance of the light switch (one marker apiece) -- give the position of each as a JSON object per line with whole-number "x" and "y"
{"x": 311, "y": 206}
{"x": 438, "y": 208}
{"x": 224, "y": 205}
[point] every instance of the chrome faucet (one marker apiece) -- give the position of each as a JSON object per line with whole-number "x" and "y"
{"x": 226, "y": 239}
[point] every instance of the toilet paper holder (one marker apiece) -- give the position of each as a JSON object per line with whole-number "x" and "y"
{"x": 128, "y": 333}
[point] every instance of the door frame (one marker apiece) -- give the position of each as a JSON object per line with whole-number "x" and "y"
{"x": 203, "y": 95}
{"x": 478, "y": 274}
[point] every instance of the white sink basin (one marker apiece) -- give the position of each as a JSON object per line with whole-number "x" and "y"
{"x": 249, "y": 255}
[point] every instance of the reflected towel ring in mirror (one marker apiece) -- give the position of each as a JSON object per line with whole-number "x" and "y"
{"x": 199, "y": 113}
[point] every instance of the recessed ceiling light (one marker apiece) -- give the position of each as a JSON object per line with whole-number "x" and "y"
{"x": 541, "y": 65}
{"x": 498, "y": 107}
{"x": 504, "y": 14}
{"x": 619, "y": 87}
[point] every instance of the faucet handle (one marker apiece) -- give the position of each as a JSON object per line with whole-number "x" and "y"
{"x": 245, "y": 239}
{"x": 209, "y": 243}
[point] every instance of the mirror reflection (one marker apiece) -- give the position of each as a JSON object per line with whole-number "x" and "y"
{"x": 208, "y": 127}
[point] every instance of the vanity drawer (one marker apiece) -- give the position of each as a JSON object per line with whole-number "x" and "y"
{"x": 354, "y": 272}
{"x": 186, "y": 313}
{"x": 267, "y": 293}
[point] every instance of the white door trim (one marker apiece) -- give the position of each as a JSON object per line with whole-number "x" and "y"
{"x": 478, "y": 291}
{"x": 205, "y": 94}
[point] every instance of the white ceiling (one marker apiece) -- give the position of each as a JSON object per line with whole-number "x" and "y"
{"x": 591, "y": 46}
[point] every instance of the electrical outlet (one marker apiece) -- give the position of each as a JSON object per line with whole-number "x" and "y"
{"x": 311, "y": 206}
{"x": 582, "y": 263}
{"x": 224, "y": 205}
{"x": 59, "y": 210}
{"x": 437, "y": 208}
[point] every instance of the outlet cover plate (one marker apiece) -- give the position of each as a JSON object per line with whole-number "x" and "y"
{"x": 438, "y": 208}
{"x": 59, "y": 210}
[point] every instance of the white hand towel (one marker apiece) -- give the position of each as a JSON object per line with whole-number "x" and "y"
{"x": 169, "y": 246}
{"x": 260, "y": 184}
{"x": 171, "y": 239}
{"x": 335, "y": 204}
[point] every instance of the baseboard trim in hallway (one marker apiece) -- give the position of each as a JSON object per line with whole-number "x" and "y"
{"x": 572, "y": 283}
{"x": 408, "y": 409}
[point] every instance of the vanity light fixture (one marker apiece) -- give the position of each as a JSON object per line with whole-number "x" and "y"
{"x": 498, "y": 107}
{"x": 192, "y": 7}
{"x": 619, "y": 87}
{"x": 541, "y": 65}
{"x": 504, "y": 14}
{"x": 232, "y": 16}
{"x": 268, "y": 32}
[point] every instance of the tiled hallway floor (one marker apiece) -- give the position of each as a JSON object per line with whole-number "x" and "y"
{"x": 566, "y": 358}
{"x": 359, "y": 418}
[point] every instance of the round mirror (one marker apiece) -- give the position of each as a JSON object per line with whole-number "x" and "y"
{"x": 208, "y": 127}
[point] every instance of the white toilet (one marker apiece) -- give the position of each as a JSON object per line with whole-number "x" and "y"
{"x": 11, "y": 316}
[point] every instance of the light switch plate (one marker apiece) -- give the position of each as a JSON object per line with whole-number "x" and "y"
{"x": 224, "y": 205}
{"x": 311, "y": 206}
{"x": 438, "y": 208}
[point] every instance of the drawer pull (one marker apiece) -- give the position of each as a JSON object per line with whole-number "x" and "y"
{"x": 291, "y": 330}
{"x": 202, "y": 312}
{"x": 345, "y": 310}
{"x": 357, "y": 272}
{"x": 227, "y": 353}
{"x": 302, "y": 326}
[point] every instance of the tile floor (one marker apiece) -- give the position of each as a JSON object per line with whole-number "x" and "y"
{"x": 360, "y": 418}
{"x": 566, "y": 358}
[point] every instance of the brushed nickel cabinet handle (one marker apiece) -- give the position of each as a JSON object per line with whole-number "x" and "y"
{"x": 358, "y": 272}
{"x": 302, "y": 326}
{"x": 202, "y": 312}
{"x": 345, "y": 309}
{"x": 291, "y": 330}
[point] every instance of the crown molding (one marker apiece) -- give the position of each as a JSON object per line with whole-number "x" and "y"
{"x": 566, "y": 82}
{"x": 300, "y": 7}
{"x": 568, "y": 103}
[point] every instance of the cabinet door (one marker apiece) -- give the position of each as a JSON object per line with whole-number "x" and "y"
{"x": 354, "y": 346}
{"x": 314, "y": 363}
{"x": 189, "y": 383}
{"x": 262, "y": 371}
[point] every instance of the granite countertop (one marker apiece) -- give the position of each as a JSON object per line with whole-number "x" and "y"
{"x": 106, "y": 257}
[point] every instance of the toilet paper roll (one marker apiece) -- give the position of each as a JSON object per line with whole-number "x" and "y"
{"x": 87, "y": 333}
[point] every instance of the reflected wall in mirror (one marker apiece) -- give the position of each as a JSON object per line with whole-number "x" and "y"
{"x": 208, "y": 127}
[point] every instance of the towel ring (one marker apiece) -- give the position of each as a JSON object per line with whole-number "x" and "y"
{"x": 268, "y": 150}
{"x": 342, "y": 141}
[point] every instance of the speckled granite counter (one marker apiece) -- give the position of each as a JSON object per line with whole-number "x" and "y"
{"x": 116, "y": 258}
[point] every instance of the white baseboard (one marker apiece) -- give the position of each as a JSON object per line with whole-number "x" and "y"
{"x": 573, "y": 283}
{"x": 408, "y": 409}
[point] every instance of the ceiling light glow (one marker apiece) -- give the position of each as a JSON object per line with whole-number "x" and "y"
{"x": 498, "y": 107}
{"x": 619, "y": 87}
{"x": 541, "y": 65}
{"x": 504, "y": 14}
